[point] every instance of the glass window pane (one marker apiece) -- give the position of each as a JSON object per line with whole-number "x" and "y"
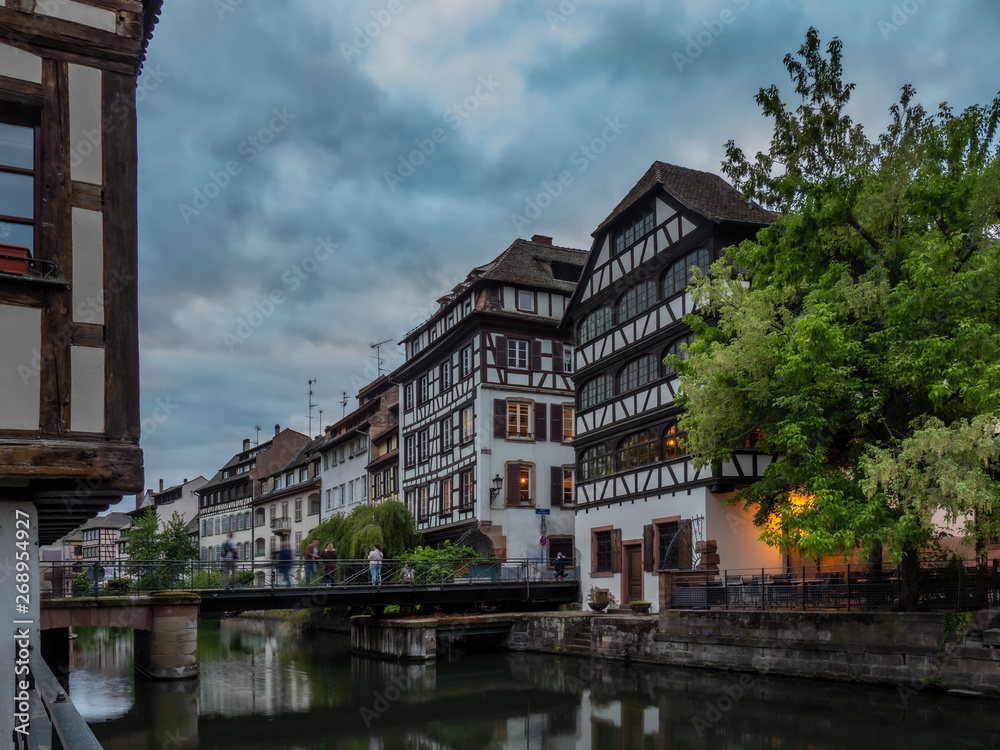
{"x": 17, "y": 195}
{"x": 17, "y": 146}
{"x": 18, "y": 234}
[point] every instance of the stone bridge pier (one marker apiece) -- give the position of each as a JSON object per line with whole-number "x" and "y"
{"x": 165, "y": 630}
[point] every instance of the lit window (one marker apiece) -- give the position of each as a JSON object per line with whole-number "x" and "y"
{"x": 678, "y": 276}
{"x": 671, "y": 442}
{"x": 567, "y": 423}
{"x": 445, "y": 496}
{"x": 468, "y": 490}
{"x": 468, "y": 424}
{"x": 567, "y": 487}
{"x": 519, "y": 488}
{"x": 638, "y": 449}
{"x": 517, "y": 354}
{"x": 518, "y": 419}
{"x": 423, "y": 497}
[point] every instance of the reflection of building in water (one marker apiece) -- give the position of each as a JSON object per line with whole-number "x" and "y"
{"x": 249, "y": 675}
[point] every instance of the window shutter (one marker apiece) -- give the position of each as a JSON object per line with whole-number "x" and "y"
{"x": 536, "y": 355}
{"x": 648, "y": 551}
{"x": 556, "y": 474}
{"x": 616, "y": 550}
{"x": 593, "y": 552}
{"x": 555, "y": 422}
{"x": 513, "y": 489}
{"x": 499, "y": 418}
{"x": 501, "y": 355}
{"x": 557, "y": 356}
{"x": 540, "y": 421}
{"x": 684, "y": 546}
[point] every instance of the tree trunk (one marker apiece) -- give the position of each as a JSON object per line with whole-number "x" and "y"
{"x": 909, "y": 569}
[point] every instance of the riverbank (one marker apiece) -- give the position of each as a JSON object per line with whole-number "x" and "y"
{"x": 913, "y": 649}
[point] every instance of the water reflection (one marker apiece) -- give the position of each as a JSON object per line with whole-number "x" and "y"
{"x": 287, "y": 690}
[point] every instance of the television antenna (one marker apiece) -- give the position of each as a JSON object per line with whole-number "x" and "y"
{"x": 311, "y": 405}
{"x": 257, "y": 440}
{"x": 378, "y": 355}
{"x": 343, "y": 403}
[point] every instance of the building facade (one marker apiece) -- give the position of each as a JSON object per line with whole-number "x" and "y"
{"x": 287, "y": 505}
{"x": 383, "y": 436}
{"x": 641, "y": 504}
{"x": 486, "y": 411}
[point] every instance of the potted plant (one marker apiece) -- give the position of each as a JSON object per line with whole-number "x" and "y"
{"x": 640, "y": 608}
{"x": 599, "y": 599}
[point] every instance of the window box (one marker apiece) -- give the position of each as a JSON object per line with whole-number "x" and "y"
{"x": 14, "y": 259}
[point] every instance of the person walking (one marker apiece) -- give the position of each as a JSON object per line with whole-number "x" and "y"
{"x": 313, "y": 557}
{"x": 375, "y": 564}
{"x": 329, "y": 564}
{"x": 285, "y": 563}
{"x": 229, "y": 554}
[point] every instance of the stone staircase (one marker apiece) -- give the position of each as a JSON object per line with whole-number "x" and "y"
{"x": 580, "y": 645}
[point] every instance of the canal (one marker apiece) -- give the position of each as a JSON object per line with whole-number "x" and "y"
{"x": 264, "y": 685}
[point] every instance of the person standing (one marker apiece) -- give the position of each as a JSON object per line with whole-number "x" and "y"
{"x": 313, "y": 557}
{"x": 229, "y": 554}
{"x": 375, "y": 564}
{"x": 285, "y": 562}
{"x": 330, "y": 564}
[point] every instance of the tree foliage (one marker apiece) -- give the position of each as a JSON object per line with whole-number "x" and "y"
{"x": 389, "y": 524}
{"x": 858, "y": 336}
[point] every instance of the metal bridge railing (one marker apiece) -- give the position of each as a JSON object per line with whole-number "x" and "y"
{"x": 64, "y": 579}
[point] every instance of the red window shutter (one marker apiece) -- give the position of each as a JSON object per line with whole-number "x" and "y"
{"x": 616, "y": 550}
{"x": 555, "y": 422}
{"x": 540, "y": 421}
{"x": 536, "y": 355}
{"x": 499, "y": 418}
{"x": 513, "y": 489}
{"x": 556, "y": 473}
{"x": 557, "y": 356}
{"x": 501, "y": 355}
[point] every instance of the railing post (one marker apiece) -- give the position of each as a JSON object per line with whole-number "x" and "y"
{"x": 803, "y": 588}
{"x": 762, "y": 588}
{"x": 725, "y": 589}
{"x": 848, "y": 587}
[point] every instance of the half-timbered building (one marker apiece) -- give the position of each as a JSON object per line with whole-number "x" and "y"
{"x": 641, "y": 504}
{"x": 486, "y": 410}
{"x": 287, "y": 505}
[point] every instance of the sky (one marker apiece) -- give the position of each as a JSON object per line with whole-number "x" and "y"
{"x": 315, "y": 174}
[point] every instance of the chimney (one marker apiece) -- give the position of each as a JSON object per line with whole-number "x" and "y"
{"x": 161, "y": 485}
{"x": 277, "y": 429}
{"x": 541, "y": 239}
{"x": 185, "y": 480}
{"x": 246, "y": 446}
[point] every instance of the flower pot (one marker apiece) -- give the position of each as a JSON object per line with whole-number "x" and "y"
{"x": 14, "y": 259}
{"x": 598, "y": 606}
{"x": 640, "y": 608}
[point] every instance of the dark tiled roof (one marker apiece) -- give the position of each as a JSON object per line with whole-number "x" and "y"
{"x": 529, "y": 264}
{"x": 114, "y": 520}
{"x": 702, "y": 192}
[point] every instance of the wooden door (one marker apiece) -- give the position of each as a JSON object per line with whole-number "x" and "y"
{"x": 633, "y": 583}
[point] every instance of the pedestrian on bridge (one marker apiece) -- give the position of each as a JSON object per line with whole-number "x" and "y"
{"x": 285, "y": 563}
{"x": 375, "y": 565}
{"x": 313, "y": 557}
{"x": 330, "y": 564}
{"x": 229, "y": 554}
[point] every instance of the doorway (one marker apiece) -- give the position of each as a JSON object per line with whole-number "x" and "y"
{"x": 632, "y": 590}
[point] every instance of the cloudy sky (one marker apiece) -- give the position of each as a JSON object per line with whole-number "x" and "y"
{"x": 315, "y": 173}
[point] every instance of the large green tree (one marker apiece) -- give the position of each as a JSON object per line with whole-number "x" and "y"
{"x": 858, "y": 336}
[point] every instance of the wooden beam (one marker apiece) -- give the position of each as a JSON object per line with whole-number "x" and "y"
{"x": 88, "y": 334}
{"x": 21, "y": 92}
{"x": 86, "y": 195}
{"x": 105, "y": 467}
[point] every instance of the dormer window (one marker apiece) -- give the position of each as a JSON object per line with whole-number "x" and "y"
{"x": 526, "y": 301}
{"x": 637, "y": 228}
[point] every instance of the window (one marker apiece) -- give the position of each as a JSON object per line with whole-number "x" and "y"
{"x": 446, "y": 434}
{"x": 342, "y": 497}
{"x": 671, "y": 442}
{"x": 408, "y": 499}
{"x": 524, "y": 484}
{"x": 678, "y": 276}
{"x": 218, "y": 525}
{"x": 595, "y": 462}
{"x": 596, "y": 391}
{"x": 298, "y": 539}
{"x": 326, "y": 461}
{"x": 284, "y": 509}
{"x": 467, "y": 307}
{"x": 424, "y": 389}
{"x": 350, "y": 490}
{"x": 446, "y": 376}
{"x": 638, "y": 227}
{"x": 638, "y": 299}
{"x": 468, "y": 424}
{"x": 567, "y": 423}
{"x": 517, "y": 354}
{"x": 289, "y": 479}
{"x": 595, "y": 324}
{"x": 298, "y": 509}
{"x": 568, "y": 496}
{"x": 638, "y": 449}
{"x": 259, "y": 552}
{"x": 409, "y": 452}
{"x": 263, "y": 486}
{"x": 17, "y": 185}
{"x": 466, "y": 361}
{"x": 329, "y": 499}
{"x": 274, "y": 511}
{"x": 525, "y": 300}
{"x": 425, "y": 440}
{"x": 303, "y": 474}
{"x": 423, "y": 503}
{"x": 446, "y": 497}
{"x": 602, "y": 546}
{"x": 567, "y": 358}
{"x": 314, "y": 506}
{"x": 675, "y": 349}
{"x": 468, "y": 496}
{"x": 408, "y": 396}
{"x": 637, "y": 373}
{"x": 277, "y": 483}
{"x": 518, "y": 419}
{"x": 674, "y": 545}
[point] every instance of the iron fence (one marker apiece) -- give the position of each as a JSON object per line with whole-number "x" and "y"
{"x": 62, "y": 579}
{"x": 953, "y": 586}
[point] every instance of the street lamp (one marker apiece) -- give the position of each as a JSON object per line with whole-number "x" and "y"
{"x": 497, "y": 486}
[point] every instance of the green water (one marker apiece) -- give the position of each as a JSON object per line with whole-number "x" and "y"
{"x": 263, "y": 685}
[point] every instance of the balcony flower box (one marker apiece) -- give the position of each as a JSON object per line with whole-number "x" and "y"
{"x": 14, "y": 259}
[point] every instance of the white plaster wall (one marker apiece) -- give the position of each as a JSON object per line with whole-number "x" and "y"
{"x": 738, "y": 539}
{"x": 87, "y": 15}
{"x": 87, "y": 389}
{"x": 85, "y": 124}
{"x": 16, "y": 63}
{"x": 20, "y": 344}
{"x": 88, "y": 266}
